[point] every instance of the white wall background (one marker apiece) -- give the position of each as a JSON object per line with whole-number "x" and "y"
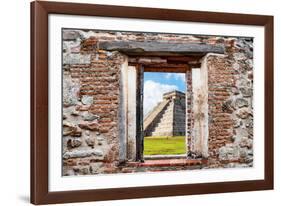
{"x": 14, "y": 104}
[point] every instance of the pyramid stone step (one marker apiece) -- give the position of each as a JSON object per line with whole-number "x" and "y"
{"x": 172, "y": 118}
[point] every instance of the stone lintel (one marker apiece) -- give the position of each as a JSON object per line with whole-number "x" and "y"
{"x": 160, "y": 48}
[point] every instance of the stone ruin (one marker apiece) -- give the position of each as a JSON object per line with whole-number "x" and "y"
{"x": 168, "y": 117}
{"x": 102, "y": 130}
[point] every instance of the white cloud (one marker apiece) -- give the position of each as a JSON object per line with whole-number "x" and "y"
{"x": 153, "y": 92}
{"x": 176, "y": 76}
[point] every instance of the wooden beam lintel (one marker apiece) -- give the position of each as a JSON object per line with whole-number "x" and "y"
{"x": 166, "y": 69}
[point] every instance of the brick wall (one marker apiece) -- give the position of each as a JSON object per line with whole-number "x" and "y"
{"x": 230, "y": 105}
{"x": 92, "y": 84}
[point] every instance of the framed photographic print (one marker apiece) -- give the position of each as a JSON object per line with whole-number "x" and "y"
{"x": 131, "y": 102}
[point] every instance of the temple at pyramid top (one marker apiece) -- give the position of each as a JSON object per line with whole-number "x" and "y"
{"x": 168, "y": 117}
{"x": 174, "y": 95}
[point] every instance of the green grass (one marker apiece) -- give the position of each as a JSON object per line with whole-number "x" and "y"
{"x": 164, "y": 145}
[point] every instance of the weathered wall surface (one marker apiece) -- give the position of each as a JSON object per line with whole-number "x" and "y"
{"x": 90, "y": 106}
{"x": 230, "y": 79}
{"x": 200, "y": 117}
{"x": 189, "y": 111}
{"x": 91, "y": 100}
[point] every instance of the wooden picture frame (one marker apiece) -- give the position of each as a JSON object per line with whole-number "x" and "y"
{"x": 39, "y": 102}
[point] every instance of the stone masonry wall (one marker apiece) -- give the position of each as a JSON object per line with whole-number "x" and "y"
{"x": 230, "y": 80}
{"x": 90, "y": 106}
{"x": 91, "y": 96}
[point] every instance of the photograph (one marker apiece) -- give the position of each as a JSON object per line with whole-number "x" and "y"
{"x": 136, "y": 102}
{"x": 153, "y": 102}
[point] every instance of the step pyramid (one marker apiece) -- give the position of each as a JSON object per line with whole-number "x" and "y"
{"x": 168, "y": 117}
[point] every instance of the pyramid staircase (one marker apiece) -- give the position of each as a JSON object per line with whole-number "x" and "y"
{"x": 168, "y": 117}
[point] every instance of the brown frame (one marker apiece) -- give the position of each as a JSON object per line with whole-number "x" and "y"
{"x": 39, "y": 102}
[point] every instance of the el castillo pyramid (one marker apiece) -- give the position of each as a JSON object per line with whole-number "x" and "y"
{"x": 168, "y": 117}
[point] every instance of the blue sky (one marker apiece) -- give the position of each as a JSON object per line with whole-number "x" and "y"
{"x": 158, "y": 83}
{"x": 167, "y": 78}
